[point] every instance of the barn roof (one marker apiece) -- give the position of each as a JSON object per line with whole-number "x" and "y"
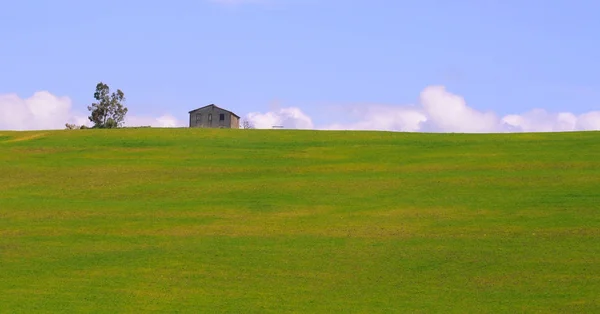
{"x": 212, "y": 105}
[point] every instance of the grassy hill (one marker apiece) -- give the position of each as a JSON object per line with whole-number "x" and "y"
{"x": 259, "y": 221}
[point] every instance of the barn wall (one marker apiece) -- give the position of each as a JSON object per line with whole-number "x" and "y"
{"x": 235, "y": 122}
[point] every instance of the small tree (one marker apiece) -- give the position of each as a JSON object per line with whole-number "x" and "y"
{"x": 69, "y": 126}
{"x": 108, "y": 111}
{"x": 247, "y": 124}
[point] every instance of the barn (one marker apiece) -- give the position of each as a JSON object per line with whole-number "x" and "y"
{"x": 212, "y": 116}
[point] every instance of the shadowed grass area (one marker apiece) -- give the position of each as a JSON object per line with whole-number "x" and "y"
{"x": 259, "y": 221}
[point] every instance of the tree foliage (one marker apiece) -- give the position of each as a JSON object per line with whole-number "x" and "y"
{"x": 70, "y": 126}
{"x": 108, "y": 111}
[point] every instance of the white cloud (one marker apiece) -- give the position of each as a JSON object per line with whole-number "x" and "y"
{"x": 289, "y": 118}
{"x": 165, "y": 121}
{"x": 439, "y": 111}
{"x": 40, "y": 111}
{"x": 45, "y": 111}
{"x": 539, "y": 120}
{"x": 447, "y": 112}
{"x": 589, "y": 121}
{"x": 378, "y": 117}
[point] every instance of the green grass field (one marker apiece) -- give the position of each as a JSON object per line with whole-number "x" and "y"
{"x": 267, "y": 221}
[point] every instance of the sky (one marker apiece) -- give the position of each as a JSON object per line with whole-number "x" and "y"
{"x": 411, "y": 65}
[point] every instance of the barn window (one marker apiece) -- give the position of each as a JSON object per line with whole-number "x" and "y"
{"x": 222, "y": 117}
{"x": 198, "y": 117}
{"x": 210, "y": 117}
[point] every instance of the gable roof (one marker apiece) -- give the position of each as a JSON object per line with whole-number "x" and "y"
{"x": 212, "y": 105}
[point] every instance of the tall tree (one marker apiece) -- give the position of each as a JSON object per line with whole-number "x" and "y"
{"x": 108, "y": 111}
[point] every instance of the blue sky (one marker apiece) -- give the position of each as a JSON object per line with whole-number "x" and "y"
{"x": 307, "y": 63}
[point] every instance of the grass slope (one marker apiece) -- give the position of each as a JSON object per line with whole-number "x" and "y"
{"x": 250, "y": 221}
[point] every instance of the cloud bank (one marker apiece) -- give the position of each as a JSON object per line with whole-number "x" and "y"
{"x": 438, "y": 111}
{"x": 44, "y": 111}
{"x": 40, "y": 111}
{"x": 289, "y": 118}
{"x": 164, "y": 121}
